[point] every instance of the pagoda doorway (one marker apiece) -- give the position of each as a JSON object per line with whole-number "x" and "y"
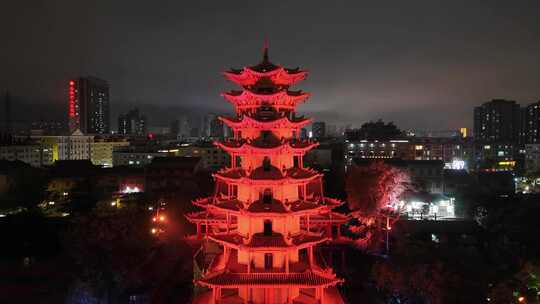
{"x": 268, "y": 261}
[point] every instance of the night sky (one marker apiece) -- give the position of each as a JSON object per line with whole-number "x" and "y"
{"x": 422, "y": 64}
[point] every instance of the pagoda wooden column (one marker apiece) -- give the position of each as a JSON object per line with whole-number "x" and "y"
{"x": 228, "y": 220}
{"x": 307, "y": 223}
{"x": 198, "y": 230}
{"x": 310, "y": 253}
{"x": 249, "y": 262}
{"x": 287, "y": 262}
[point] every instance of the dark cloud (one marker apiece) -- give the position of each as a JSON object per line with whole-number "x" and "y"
{"x": 422, "y": 64}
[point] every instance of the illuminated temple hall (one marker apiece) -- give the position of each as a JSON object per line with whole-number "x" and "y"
{"x": 268, "y": 211}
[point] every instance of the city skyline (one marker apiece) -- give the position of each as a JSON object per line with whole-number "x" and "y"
{"x": 376, "y": 63}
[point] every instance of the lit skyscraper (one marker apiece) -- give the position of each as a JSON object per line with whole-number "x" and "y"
{"x": 497, "y": 120}
{"x": 89, "y": 106}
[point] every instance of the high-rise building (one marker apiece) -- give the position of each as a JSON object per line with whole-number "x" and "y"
{"x": 267, "y": 208}
{"x": 89, "y": 105}
{"x": 531, "y": 123}
{"x": 175, "y": 127}
{"x": 132, "y": 123}
{"x": 319, "y": 129}
{"x": 497, "y": 121}
{"x": 216, "y": 128}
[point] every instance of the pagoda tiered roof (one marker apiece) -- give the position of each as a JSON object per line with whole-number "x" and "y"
{"x": 319, "y": 211}
{"x": 283, "y": 99}
{"x": 271, "y": 176}
{"x": 306, "y": 279}
{"x": 260, "y": 147}
{"x": 279, "y": 75}
{"x": 266, "y": 124}
{"x": 326, "y": 218}
{"x": 260, "y": 241}
{"x": 258, "y": 207}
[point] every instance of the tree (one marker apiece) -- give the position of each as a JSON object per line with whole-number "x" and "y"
{"x": 108, "y": 248}
{"x": 426, "y": 272}
{"x": 377, "y": 130}
{"x": 373, "y": 193}
{"x": 375, "y": 187}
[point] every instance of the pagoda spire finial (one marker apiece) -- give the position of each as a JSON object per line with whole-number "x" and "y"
{"x": 265, "y": 50}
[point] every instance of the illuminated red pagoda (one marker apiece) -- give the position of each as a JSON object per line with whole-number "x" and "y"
{"x": 268, "y": 211}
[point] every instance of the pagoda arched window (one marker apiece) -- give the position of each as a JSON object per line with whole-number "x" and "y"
{"x": 267, "y": 229}
{"x": 265, "y": 135}
{"x": 267, "y": 196}
{"x": 266, "y": 164}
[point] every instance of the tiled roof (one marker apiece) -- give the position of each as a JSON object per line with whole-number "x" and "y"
{"x": 261, "y": 240}
{"x": 301, "y": 173}
{"x": 234, "y": 205}
{"x": 274, "y": 279}
{"x": 205, "y": 215}
{"x": 272, "y": 173}
{"x": 233, "y": 173}
{"x": 307, "y": 238}
{"x": 274, "y": 206}
{"x": 231, "y": 238}
{"x": 303, "y": 205}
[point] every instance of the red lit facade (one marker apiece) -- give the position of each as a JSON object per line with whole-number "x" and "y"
{"x": 88, "y": 99}
{"x": 73, "y": 122}
{"x": 268, "y": 212}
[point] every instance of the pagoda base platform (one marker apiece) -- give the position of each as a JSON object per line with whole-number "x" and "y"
{"x": 331, "y": 295}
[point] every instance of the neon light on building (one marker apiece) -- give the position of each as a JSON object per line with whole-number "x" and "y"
{"x": 71, "y": 99}
{"x": 268, "y": 211}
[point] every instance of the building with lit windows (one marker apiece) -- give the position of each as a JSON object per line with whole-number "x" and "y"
{"x": 531, "y": 123}
{"x": 102, "y": 148}
{"x": 269, "y": 211}
{"x": 89, "y": 105}
{"x": 377, "y": 149}
{"x": 497, "y": 120}
{"x": 29, "y": 152}
{"x": 132, "y": 123}
{"x": 532, "y": 157}
{"x": 70, "y": 147}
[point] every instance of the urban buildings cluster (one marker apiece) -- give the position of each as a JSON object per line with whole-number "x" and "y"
{"x": 505, "y": 137}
